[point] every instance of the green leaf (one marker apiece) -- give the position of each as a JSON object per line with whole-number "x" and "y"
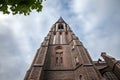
{"x": 20, "y": 6}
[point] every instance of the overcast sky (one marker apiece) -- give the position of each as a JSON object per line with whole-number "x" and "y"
{"x": 95, "y": 22}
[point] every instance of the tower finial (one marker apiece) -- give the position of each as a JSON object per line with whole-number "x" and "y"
{"x": 61, "y": 20}
{"x": 60, "y": 17}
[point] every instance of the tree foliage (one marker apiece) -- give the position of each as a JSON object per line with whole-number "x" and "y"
{"x": 20, "y": 6}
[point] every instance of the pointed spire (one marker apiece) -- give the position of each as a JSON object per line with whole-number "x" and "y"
{"x": 60, "y": 20}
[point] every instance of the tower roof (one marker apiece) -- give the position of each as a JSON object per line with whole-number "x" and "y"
{"x": 60, "y": 20}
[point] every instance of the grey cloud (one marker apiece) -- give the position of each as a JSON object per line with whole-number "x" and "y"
{"x": 20, "y": 36}
{"x": 98, "y": 23}
{"x": 12, "y": 63}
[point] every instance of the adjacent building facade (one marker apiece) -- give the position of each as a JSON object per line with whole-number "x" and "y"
{"x": 62, "y": 56}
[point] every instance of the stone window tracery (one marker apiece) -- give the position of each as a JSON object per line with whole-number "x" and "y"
{"x": 59, "y": 55}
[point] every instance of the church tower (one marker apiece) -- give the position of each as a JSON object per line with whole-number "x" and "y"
{"x": 62, "y": 56}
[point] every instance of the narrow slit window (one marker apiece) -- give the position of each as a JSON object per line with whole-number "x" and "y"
{"x": 54, "y": 39}
{"x": 80, "y": 77}
{"x": 60, "y": 39}
{"x": 61, "y": 60}
{"x": 56, "y": 60}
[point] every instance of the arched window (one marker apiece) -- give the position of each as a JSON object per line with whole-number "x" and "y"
{"x": 59, "y": 55}
{"x": 80, "y": 77}
{"x": 60, "y": 27}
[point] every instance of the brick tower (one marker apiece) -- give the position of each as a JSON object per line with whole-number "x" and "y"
{"x": 62, "y": 57}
